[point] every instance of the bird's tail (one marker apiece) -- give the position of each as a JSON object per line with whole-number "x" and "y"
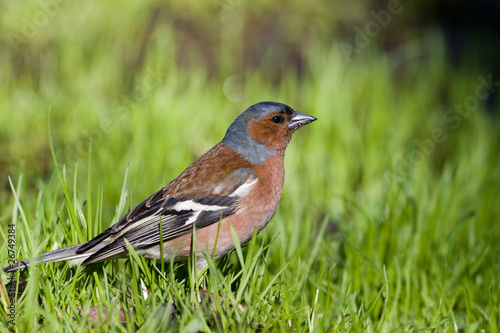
{"x": 68, "y": 253}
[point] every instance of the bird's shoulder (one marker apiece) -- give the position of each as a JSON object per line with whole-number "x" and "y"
{"x": 214, "y": 178}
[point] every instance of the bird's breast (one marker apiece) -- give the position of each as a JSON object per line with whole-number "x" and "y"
{"x": 261, "y": 201}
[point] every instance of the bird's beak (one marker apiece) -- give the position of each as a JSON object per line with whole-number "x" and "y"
{"x": 300, "y": 120}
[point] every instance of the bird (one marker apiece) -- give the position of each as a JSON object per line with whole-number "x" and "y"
{"x": 237, "y": 184}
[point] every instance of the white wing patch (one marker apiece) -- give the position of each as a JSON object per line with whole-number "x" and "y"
{"x": 244, "y": 188}
{"x": 192, "y": 218}
{"x": 191, "y": 205}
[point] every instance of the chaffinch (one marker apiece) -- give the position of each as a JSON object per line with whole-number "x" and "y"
{"x": 237, "y": 183}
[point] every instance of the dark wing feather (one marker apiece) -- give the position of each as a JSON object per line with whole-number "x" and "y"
{"x": 138, "y": 212}
{"x": 146, "y": 232}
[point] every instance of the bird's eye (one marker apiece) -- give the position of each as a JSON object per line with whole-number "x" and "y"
{"x": 277, "y": 119}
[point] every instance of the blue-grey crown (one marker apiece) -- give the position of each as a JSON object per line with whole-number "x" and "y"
{"x": 237, "y": 136}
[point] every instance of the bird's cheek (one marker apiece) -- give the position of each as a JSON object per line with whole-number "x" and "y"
{"x": 260, "y": 132}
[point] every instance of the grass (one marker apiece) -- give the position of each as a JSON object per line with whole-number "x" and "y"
{"x": 388, "y": 220}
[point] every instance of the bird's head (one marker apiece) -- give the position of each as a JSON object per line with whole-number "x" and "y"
{"x": 263, "y": 129}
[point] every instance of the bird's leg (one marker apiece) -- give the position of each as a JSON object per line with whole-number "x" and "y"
{"x": 202, "y": 266}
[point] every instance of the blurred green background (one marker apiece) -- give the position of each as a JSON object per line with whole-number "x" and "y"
{"x": 402, "y": 164}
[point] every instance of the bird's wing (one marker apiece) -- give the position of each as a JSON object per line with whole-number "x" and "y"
{"x": 194, "y": 198}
